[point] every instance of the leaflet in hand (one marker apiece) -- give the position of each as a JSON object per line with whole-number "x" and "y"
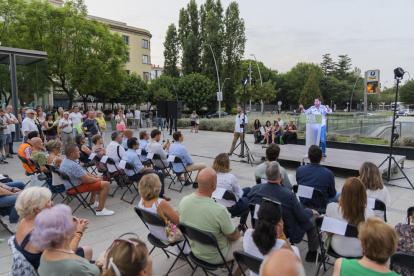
{"x": 335, "y": 226}
{"x": 104, "y": 159}
{"x": 122, "y": 164}
{"x": 150, "y": 155}
{"x": 218, "y": 193}
{"x": 139, "y": 151}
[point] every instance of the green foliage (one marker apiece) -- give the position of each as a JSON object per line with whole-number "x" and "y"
{"x": 191, "y": 55}
{"x": 406, "y": 92}
{"x": 171, "y": 52}
{"x": 135, "y": 90}
{"x": 343, "y": 67}
{"x": 196, "y": 91}
{"x": 163, "y": 94}
{"x": 162, "y": 82}
{"x": 310, "y": 92}
{"x": 327, "y": 65}
{"x": 332, "y": 136}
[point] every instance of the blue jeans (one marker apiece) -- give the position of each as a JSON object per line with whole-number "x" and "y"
{"x": 7, "y": 202}
{"x": 243, "y": 206}
{"x": 13, "y": 134}
{"x": 137, "y": 177}
{"x": 330, "y": 200}
{"x": 323, "y": 139}
{"x": 159, "y": 123}
{"x": 89, "y": 140}
{"x": 25, "y": 139}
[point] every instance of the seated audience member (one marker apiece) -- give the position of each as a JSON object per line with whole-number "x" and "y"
{"x": 98, "y": 146}
{"x": 84, "y": 150}
{"x": 352, "y": 209}
{"x": 115, "y": 151}
{"x": 228, "y": 181}
{"x": 256, "y": 131}
{"x": 272, "y": 154}
{"x": 405, "y": 243}
{"x": 155, "y": 147}
{"x": 149, "y": 189}
{"x": 38, "y": 156}
{"x": 26, "y": 149}
{"x": 199, "y": 210}
{"x": 268, "y": 234}
{"x": 370, "y": 175}
{"x": 55, "y": 148}
{"x": 268, "y": 133}
{"x": 297, "y": 220}
{"x": 177, "y": 149}
{"x": 118, "y": 259}
{"x": 84, "y": 181}
{"x": 132, "y": 157}
{"x": 282, "y": 262}
{"x": 276, "y": 133}
{"x": 379, "y": 243}
{"x": 127, "y": 134}
{"x": 143, "y": 143}
{"x": 29, "y": 204}
{"x": 8, "y": 195}
{"x": 53, "y": 232}
{"x": 290, "y": 133}
{"x": 316, "y": 176}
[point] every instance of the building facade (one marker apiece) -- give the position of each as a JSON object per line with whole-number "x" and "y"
{"x": 156, "y": 71}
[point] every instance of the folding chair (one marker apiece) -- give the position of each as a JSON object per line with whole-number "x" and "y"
{"x": 180, "y": 161}
{"x": 129, "y": 183}
{"x": 56, "y": 186}
{"x": 24, "y": 161}
{"x": 229, "y": 195}
{"x": 252, "y": 207}
{"x": 42, "y": 176}
{"x": 103, "y": 170}
{"x": 351, "y": 232}
{"x": 117, "y": 175}
{"x": 258, "y": 180}
{"x": 145, "y": 163}
{"x": 78, "y": 195}
{"x": 149, "y": 218}
{"x": 167, "y": 169}
{"x": 410, "y": 212}
{"x": 380, "y": 206}
{"x": 317, "y": 194}
{"x": 402, "y": 259}
{"x": 5, "y": 225}
{"x": 88, "y": 165}
{"x": 251, "y": 262}
{"x": 206, "y": 239}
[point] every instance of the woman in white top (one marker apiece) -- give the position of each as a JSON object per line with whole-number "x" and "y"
{"x": 120, "y": 121}
{"x": 149, "y": 188}
{"x": 228, "y": 181}
{"x": 352, "y": 209}
{"x": 370, "y": 175}
{"x": 268, "y": 234}
{"x": 268, "y": 133}
{"x": 55, "y": 148}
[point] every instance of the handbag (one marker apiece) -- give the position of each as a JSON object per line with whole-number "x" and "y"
{"x": 281, "y": 141}
{"x": 262, "y": 131}
{"x": 171, "y": 230}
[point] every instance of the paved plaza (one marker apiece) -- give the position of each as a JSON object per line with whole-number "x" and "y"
{"x": 203, "y": 147}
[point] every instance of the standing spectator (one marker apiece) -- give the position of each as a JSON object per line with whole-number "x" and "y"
{"x": 268, "y": 133}
{"x": 76, "y": 118}
{"x": 65, "y": 125}
{"x": 21, "y": 115}
{"x": 130, "y": 118}
{"x": 8, "y": 196}
{"x": 91, "y": 110}
{"x": 38, "y": 108}
{"x": 197, "y": 123}
{"x": 173, "y": 124}
{"x": 370, "y": 175}
{"x": 115, "y": 151}
{"x": 51, "y": 127}
{"x": 7, "y": 140}
{"x": 113, "y": 122}
{"x": 294, "y": 112}
{"x": 100, "y": 118}
{"x": 137, "y": 118}
{"x": 290, "y": 133}
{"x": 352, "y": 209}
{"x": 29, "y": 124}
{"x": 159, "y": 122}
{"x": 276, "y": 133}
{"x": 3, "y": 126}
{"x": 240, "y": 127}
{"x": 280, "y": 122}
{"x": 92, "y": 127}
{"x": 192, "y": 120}
{"x": 147, "y": 118}
{"x": 256, "y": 131}
{"x": 41, "y": 118}
{"x": 405, "y": 243}
{"x": 11, "y": 127}
{"x": 155, "y": 147}
{"x": 143, "y": 142}
{"x": 58, "y": 118}
{"x": 120, "y": 121}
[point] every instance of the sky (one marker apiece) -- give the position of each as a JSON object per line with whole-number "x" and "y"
{"x": 375, "y": 34}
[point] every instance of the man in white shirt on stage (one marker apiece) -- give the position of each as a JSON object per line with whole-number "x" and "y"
{"x": 320, "y": 110}
{"x": 239, "y": 129}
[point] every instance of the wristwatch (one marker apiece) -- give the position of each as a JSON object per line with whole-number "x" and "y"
{"x": 12, "y": 190}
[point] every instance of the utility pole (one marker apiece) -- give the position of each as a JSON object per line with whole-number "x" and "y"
{"x": 250, "y": 79}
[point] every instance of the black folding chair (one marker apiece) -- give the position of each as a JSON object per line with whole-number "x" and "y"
{"x": 251, "y": 262}
{"x": 229, "y": 195}
{"x": 252, "y": 207}
{"x": 182, "y": 183}
{"x": 24, "y": 161}
{"x": 402, "y": 259}
{"x": 206, "y": 239}
{"x": 351, "y": 232}
{"x": 4, "y": 224}
{"x": 77, "y": 195}
{"x": 317, "y": 194}
{"x": 59, "y": 188}
{"x": 148, "y": 162}
{"x": 410, "y": 212}
{"x": 42, "y": 176}
{"x": 163, "y": 167}
{"x": 117, "y": 175}
{"x": 129, "y": 183}
{"x": 258, "y": 180}
{"x": 88, "y": 165}
{"x": 380, "y": 206}
{"x": 149, "y": 218}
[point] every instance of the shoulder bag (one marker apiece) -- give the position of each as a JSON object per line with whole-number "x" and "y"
{"x": 171, "y": 230}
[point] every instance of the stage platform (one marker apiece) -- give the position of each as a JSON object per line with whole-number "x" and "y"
{"x": 337, "y": 158}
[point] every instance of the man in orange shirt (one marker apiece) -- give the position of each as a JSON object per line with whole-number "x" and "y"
{"x": 25, "y": 151}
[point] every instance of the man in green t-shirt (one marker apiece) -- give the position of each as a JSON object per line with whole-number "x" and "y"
{"x": 202, "y": 212}
{"x": 37, "y": 155}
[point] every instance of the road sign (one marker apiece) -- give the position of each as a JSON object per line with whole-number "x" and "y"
{"x": 92, "y": 99}
{"x": 279, "y": 103}
{"x": 219, "y": 96}
{"x": 372, "y": 81}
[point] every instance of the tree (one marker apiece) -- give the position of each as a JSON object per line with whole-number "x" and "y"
{"x": 171, "y": 52}
{"x": 195, "y": 90}
{"x": 135, "y": 90}
{"x": 327, "y": 65}
{"x": 343, "y": 67}
{"x": 310, "y": 92}
{"x": 266, "y": 92}
{"x": 406, "y": 93}
{"x": 163, "y": 94}
{"x": 163, "y": 81}
{"x": 191, "y": 55}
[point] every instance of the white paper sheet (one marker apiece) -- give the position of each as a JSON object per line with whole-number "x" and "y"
{"x": 171, "y": 158}
{"x": 335, "y": 226}
{"x": 218, "y": 193}
{"x": 256, "y": 211}
{"x": 104, "y": 158}
{"x": 2, "y": 177}
{"x": 92, "y": 156}
{"x": 371, "y": 203}
{"x": 122, "y": 164}
{"x": 150, "y": 155}
{"x": 139, "y": 151}
{"x": 263, "y": 180}
{"x": 305, "y": 191}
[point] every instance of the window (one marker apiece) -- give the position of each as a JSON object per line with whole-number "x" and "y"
{"x": 145, "y": 43}
{"x": 127, "y": 53}
{"x": 146, "y": 76}
{"x": 128, "y": 72}
{"x": 126, "y": 39}
{"x": 145, "y": 59}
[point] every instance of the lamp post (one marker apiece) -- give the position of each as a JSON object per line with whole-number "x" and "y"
{"x": 218, "y": 79}
{"x": 353, "y": 91}
{"x": 175, "y": 91}
{"x": 260, "y": 75}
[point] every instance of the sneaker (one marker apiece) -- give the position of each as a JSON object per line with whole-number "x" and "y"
{"x": 229, "y": 154}
{"x": 187, "y": 182}
{"x": 95, "y": 205}
{"x": 166, "y": 198}
{"x": 104, "y": 212}
{"x": 4, "y": 162}
{"x": 241, "y": 155}
{"x": 13, "y": 227}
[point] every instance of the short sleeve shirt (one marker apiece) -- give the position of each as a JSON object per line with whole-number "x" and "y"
{"x": 239, "y": 121}
{"x": 122, "y": 121}
{"x": 91, "y": 125}
{"x": 74, "y": 170}
{"x": 137, "y": 114}
{"x": 76, "y": 118}
{"x": 39, "y": 157}
{"x": 11, "y": 127}
{"x": 130, "y": 115}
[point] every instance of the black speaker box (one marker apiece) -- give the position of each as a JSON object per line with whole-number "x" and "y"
{"x": 162, "y": 109}
{"x": 174, "y": 109}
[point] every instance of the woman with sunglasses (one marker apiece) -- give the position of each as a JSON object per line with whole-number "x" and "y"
{"x": 268, "y": 234}
{"x": 127, "y": 257}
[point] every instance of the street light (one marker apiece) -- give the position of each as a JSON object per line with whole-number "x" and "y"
{"x": 353, "y": 90}
{"x": 218, "y": 79}
{"x": 260, "y": 75}
{"x": 175, "y": 91}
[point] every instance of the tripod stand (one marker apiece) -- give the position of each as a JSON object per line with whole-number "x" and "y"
{"x": 243, "y": 143}
{"x": 398, "y": 75}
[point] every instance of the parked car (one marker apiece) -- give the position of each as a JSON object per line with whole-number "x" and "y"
{"x": 408, "y": 112}
{"x": 216, "y": 114}
{"x": 208, "y": 115}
